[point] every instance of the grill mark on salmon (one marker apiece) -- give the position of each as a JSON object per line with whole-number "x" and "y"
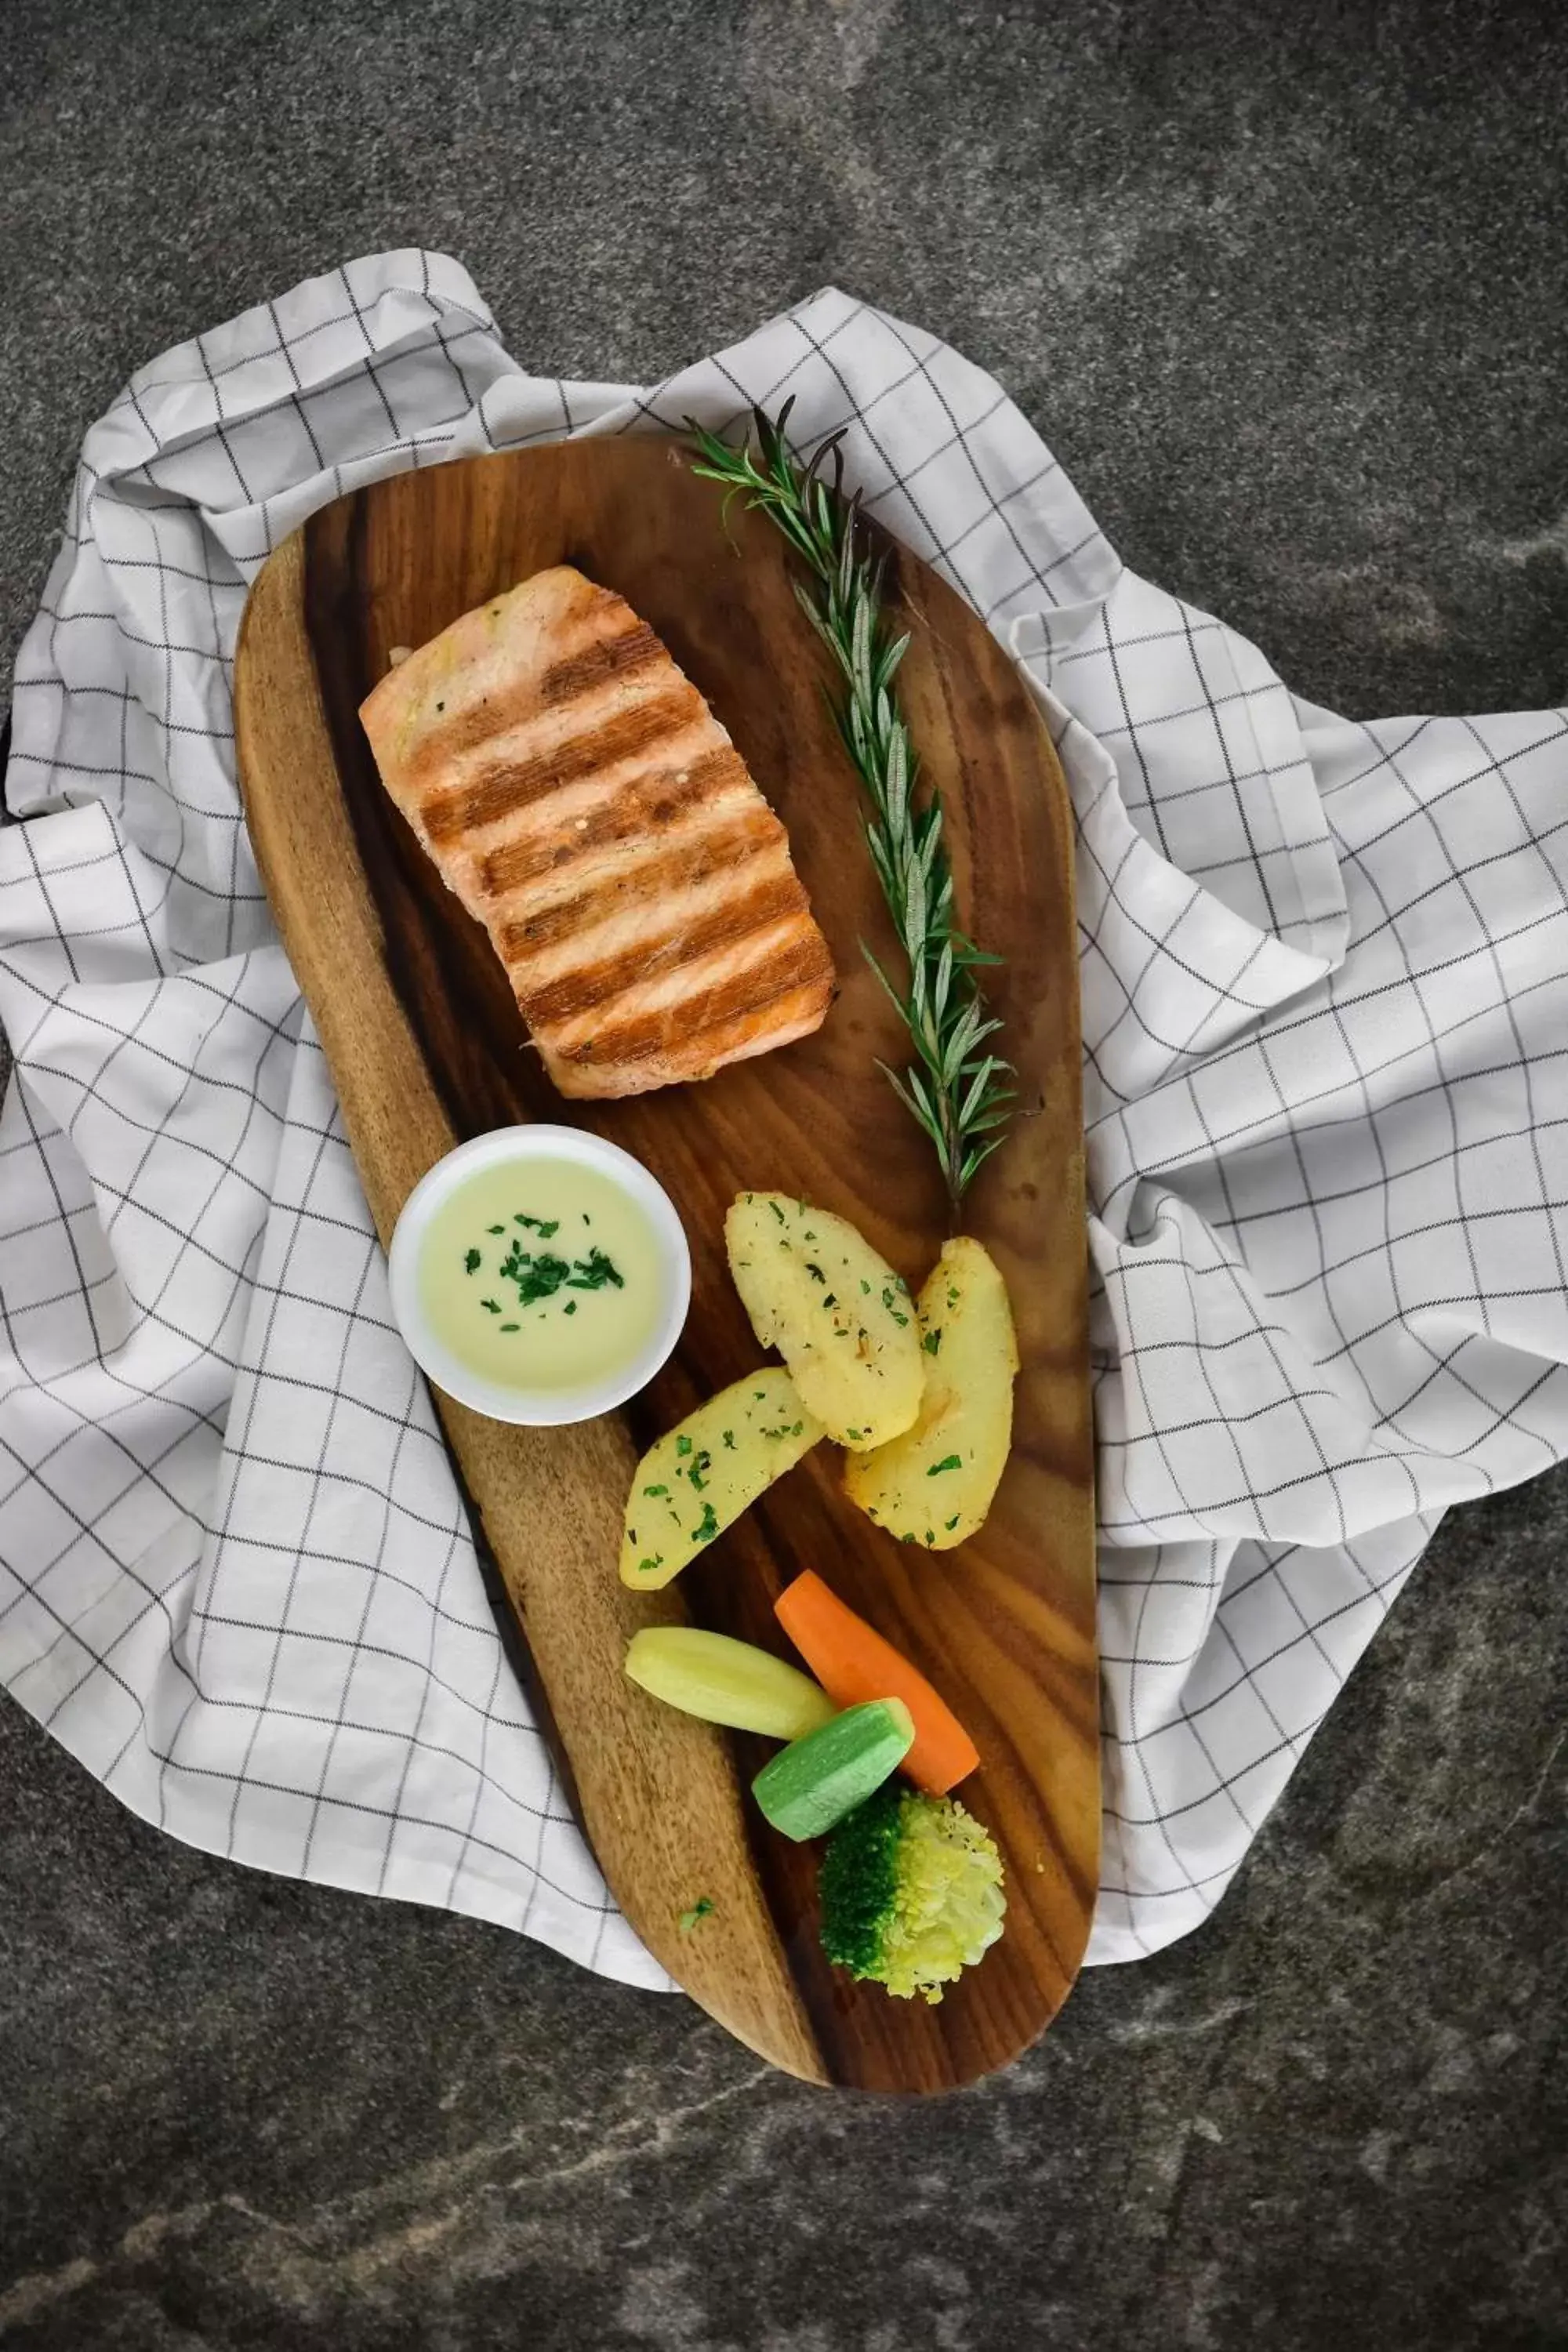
{"x": 793, "y": 1015}
{"x": 503, "y": 791}
{"x": 795, "y": 963}
{"x": 450, "y": 723}
{"x": 673, "y": 993}
{"x": 678, "y": 869}
{"x": 726, "y": 925}
{"x": 611, "y": 657}
{"x": 646, "y": 807}
{"x": 582, "y": 801}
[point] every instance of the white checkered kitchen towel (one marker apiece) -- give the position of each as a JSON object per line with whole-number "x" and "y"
{"x": 1326, "y": 1100}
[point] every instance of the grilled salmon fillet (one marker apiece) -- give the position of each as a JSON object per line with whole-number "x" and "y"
{"x": 576, "y": 792}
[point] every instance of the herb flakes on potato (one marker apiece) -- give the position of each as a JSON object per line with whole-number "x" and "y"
{"x": 842, "y": 1320}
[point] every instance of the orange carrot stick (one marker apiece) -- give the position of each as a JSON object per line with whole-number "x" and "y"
{"x": 853, "y": 1663}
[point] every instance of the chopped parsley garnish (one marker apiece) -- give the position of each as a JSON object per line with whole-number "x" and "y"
{"x": 698, "y": 1472}
{"x": 777, "y": 1210}
{"x": 542, "y": 1277}
{"x": 829, "y": 1299}
{"x": 656, "y": 1490}
{"x": 760, "y": 1395}
{"x": 950, "y": 1462}
{"x": 683, "y": 1444}
{"x": 592, "y": 1272}
{"x": 511, "y": 1327}
{"x": 536, "y": 1278}
{"x": 931, "y": 1534}
{"x": 815, "y": 1271}
{"x": 729, "y": 1439}
{"x": 543, "y": 1226}
{"x": 953, "y": 1298}
{"x": 646, "y": 1566}
{"x": 495, "y": 1229}
{"x": 953, "y": 1522}
{"x": 570, "y": 1307}
{"x": 491, "y": 1306}
{"x": 702, "y": 1909}
{"x": 864, "y": 1287}
{"x": 470, "y": 1261}
{"x": 887, "y": 1302}
{"x": 707, "y": 1528}
{"x": 931, "y": 1343}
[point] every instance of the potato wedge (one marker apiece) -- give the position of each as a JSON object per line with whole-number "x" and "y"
{"x": 703, "y": 1475}
{"x": 934, "y": 1484}
{"x": 838, "y": 1314}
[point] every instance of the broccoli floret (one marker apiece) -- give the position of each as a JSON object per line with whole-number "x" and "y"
{"x": 911, "y": 1891}
{"x": 858, "y": 1882}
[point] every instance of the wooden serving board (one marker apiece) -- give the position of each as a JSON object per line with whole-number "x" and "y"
{"x": 426, "y": 1048}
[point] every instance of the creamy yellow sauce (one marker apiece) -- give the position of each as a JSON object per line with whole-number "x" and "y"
{"x": 542, "y": 1274}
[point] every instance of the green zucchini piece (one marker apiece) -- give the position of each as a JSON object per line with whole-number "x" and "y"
{"x": 811, "y": 1784}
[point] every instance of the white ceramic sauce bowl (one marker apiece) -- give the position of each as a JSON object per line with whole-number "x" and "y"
{"x": 501, "y": 1401}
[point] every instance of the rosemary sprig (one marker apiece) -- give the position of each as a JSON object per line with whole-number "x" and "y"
{"x": 956, "y": 1087}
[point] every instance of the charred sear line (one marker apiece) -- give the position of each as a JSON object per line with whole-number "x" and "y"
{"x": 616, "y": 657}
{"x": 698, "y": 1026}
{"x": 640, "y": 881}
{"x": 512, "y": 785}
{"x": 728, "y": 925}
{"x": 648, "y": 804}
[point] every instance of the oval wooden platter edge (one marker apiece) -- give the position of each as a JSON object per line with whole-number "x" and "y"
{"x": 660, "y": 1796}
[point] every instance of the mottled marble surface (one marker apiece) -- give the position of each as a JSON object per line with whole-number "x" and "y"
{"x": 1292, "y": 306}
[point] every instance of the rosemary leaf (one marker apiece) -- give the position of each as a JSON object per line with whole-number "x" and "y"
{"x": 957, "y": 1093}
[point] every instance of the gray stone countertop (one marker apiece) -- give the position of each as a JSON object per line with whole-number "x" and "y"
{"x": 1288, "y": 293}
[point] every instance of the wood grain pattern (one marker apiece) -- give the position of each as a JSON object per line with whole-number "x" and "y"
{"x": 426, "y": 1048}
